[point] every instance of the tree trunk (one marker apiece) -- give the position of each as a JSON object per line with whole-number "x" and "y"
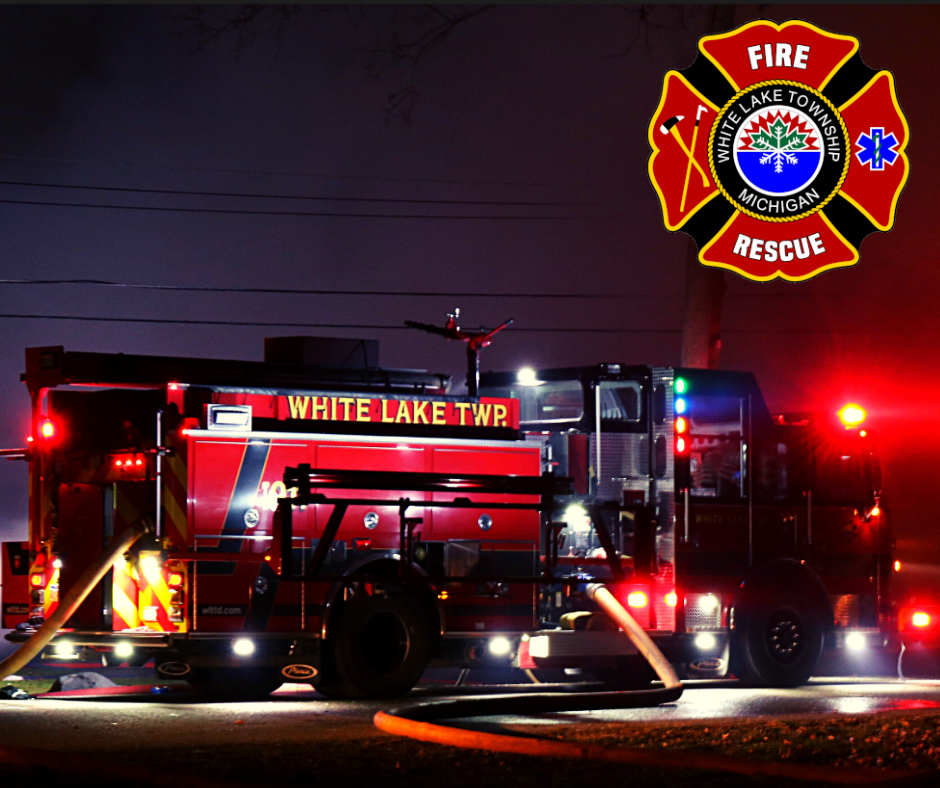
{"x": 705, "y": 287}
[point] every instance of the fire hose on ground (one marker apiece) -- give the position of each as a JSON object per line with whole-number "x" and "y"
{"x": 120, "y": 543}
{"x": 417, "y": 721}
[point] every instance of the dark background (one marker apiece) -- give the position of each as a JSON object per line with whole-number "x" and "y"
{"x": 521, "y": 104}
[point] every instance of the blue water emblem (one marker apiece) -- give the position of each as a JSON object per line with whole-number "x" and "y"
{"x": 778, "y": 172}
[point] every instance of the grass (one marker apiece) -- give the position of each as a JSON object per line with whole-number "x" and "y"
{"x": 892, "y": 741}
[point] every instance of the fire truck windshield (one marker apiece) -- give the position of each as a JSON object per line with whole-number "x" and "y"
{"x": 548, "y": 403}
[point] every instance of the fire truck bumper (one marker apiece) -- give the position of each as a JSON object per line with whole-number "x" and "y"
{"x": 175, "y": 655}
{"x": 570, "y": 648}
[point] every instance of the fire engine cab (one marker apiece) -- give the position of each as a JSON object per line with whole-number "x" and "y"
{"x": 317, "y": 518}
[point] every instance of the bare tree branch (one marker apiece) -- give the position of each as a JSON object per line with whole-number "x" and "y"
{"x": 206, "y": 26}
{"x": 411, "y": 36}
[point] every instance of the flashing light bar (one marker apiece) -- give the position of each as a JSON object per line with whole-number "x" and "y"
{"x": 228, "y": 417}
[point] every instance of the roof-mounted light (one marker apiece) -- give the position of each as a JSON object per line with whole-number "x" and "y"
{"x": 852, "y": 415}
{"x": 528, "y": 377}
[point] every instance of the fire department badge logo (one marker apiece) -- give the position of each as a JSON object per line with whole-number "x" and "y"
{"x": 778, "y": 150}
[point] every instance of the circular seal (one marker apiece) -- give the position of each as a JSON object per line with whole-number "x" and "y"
{"x": 779, "y": 151}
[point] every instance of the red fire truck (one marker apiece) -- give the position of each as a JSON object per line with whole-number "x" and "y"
{"x": 348, "y": 526}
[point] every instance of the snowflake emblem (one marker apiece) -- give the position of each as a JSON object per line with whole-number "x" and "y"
{"x": 876, "y": 149}
{"x": 780, "y": 135}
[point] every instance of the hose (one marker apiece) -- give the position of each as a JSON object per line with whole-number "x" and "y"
{"x": 634, "y": 631}
{"x": 412, "y": 719}
{"x": 414, "y": 722}
{"x": 70, "y": 603}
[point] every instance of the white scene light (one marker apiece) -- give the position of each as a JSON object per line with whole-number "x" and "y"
{"x": 500, "y": 647}
{"x": 243, "y": 647}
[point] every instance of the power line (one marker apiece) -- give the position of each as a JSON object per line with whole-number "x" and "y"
{"x": 269, "y": 324}
{"x": 307, "y": 291}
{"x": 398, "y": 293}
{"x": 326, "y": 214}
{"x": 379, "y": 327}
{"x": 294, "y": 174}
{"x": 262, "y": 196}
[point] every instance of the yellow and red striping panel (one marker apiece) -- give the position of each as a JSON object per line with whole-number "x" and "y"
{"x": 124, "y": 596}
{"x": 174, "y": 491}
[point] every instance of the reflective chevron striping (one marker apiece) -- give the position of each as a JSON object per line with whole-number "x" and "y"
{"x": 124, "y": 597}
{"x": 175, "y": 488}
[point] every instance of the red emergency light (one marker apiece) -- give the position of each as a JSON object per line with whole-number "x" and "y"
{"x": 47, "y": 429}
{"x": 637, "y": 599}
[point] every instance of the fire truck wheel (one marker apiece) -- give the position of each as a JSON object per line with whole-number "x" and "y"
{"x": 232, "y": 684}
{"x": 778, "y": 643}
{"x": 381, "y": 647}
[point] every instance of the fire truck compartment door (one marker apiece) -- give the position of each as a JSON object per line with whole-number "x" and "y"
{"x": 487, "y": 543}
{"x": 81, "y": 539}
{"x": 15, "y": 577}
{"x": 379, "y": 524}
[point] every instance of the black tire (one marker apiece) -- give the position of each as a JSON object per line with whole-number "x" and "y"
{"x": 380, "y": 648}
{"x": 235, "y": 684}
{"x": 778, "y": 641}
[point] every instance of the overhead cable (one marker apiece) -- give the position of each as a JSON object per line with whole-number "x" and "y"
{"x": 326, "y": 214}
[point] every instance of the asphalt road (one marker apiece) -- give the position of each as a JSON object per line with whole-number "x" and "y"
{"x": 296, "y": 734}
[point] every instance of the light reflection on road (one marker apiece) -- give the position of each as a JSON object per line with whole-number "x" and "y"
{"x": 820, "y": 697}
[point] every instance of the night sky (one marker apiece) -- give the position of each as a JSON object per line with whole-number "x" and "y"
{"x": 521, "y": 105}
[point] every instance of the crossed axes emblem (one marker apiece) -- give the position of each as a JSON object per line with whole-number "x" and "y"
{"x": 670, "y": 127}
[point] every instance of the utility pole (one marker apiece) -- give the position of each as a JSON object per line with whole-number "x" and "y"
{"x": 704, "y": 287}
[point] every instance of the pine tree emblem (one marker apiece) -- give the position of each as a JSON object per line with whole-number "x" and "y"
{"x": 779, "y": 141}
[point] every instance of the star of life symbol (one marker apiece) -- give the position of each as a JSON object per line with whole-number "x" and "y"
{"x": 875, "y": 149}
